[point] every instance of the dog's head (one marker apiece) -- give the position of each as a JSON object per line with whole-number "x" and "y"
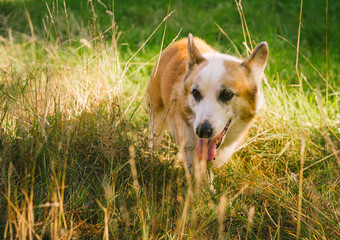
{"x": 222, "y": 90}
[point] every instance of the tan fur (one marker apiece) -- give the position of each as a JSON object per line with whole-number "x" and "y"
{"x": 171, "y": 70}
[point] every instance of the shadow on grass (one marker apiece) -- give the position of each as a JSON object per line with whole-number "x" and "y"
{"x": 77, "y": 163}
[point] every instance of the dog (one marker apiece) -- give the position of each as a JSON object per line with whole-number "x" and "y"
{"x": 206, "y": 99}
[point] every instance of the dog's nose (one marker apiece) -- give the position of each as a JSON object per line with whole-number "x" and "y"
{"x": 204, "y": 130}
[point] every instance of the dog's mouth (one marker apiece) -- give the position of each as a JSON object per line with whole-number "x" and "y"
{"x": 206, "y": 148}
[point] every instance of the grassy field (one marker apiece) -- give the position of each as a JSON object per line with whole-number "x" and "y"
{"x": 74, "y": 161}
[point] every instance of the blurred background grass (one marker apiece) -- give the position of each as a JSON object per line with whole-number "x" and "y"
{"x": 136, "y": 20}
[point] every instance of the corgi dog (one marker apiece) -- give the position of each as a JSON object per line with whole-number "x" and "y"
{"x": 206, "y": 99}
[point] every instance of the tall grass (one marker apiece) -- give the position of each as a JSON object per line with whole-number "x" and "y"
{"x": 73, "y": 145}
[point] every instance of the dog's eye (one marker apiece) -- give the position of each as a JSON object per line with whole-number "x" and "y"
{"x": 226, "y": 95}
{"x": 197, "y": 95}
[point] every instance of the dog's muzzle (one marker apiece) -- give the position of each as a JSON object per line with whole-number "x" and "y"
{"x": 204, "y": 130}
{"x": 206, "y": 148}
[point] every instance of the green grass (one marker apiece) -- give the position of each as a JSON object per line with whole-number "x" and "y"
{"x": 74, "y": 161}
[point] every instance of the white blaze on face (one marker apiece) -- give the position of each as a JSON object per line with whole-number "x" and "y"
{"x": 209, "y": 83}
{"x": 211, "y": 74}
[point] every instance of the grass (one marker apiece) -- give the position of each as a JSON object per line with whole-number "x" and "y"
{"x": 74, "y": 159}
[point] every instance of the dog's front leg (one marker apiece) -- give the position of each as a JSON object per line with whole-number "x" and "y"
{"x": 186, "y": 140}
{"x": 189, "y": 146}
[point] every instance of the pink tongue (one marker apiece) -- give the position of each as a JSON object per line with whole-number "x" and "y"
{"x": 206, "y": 149}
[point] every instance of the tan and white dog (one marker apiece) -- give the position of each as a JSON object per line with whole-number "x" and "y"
{"x": 206, "y": 99}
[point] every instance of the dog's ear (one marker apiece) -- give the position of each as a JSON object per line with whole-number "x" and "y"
{"x": 257, "y": 61}
{"x": 194, "y": 55}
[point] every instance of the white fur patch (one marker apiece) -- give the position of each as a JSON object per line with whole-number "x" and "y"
{"x": 212, "y": 73}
